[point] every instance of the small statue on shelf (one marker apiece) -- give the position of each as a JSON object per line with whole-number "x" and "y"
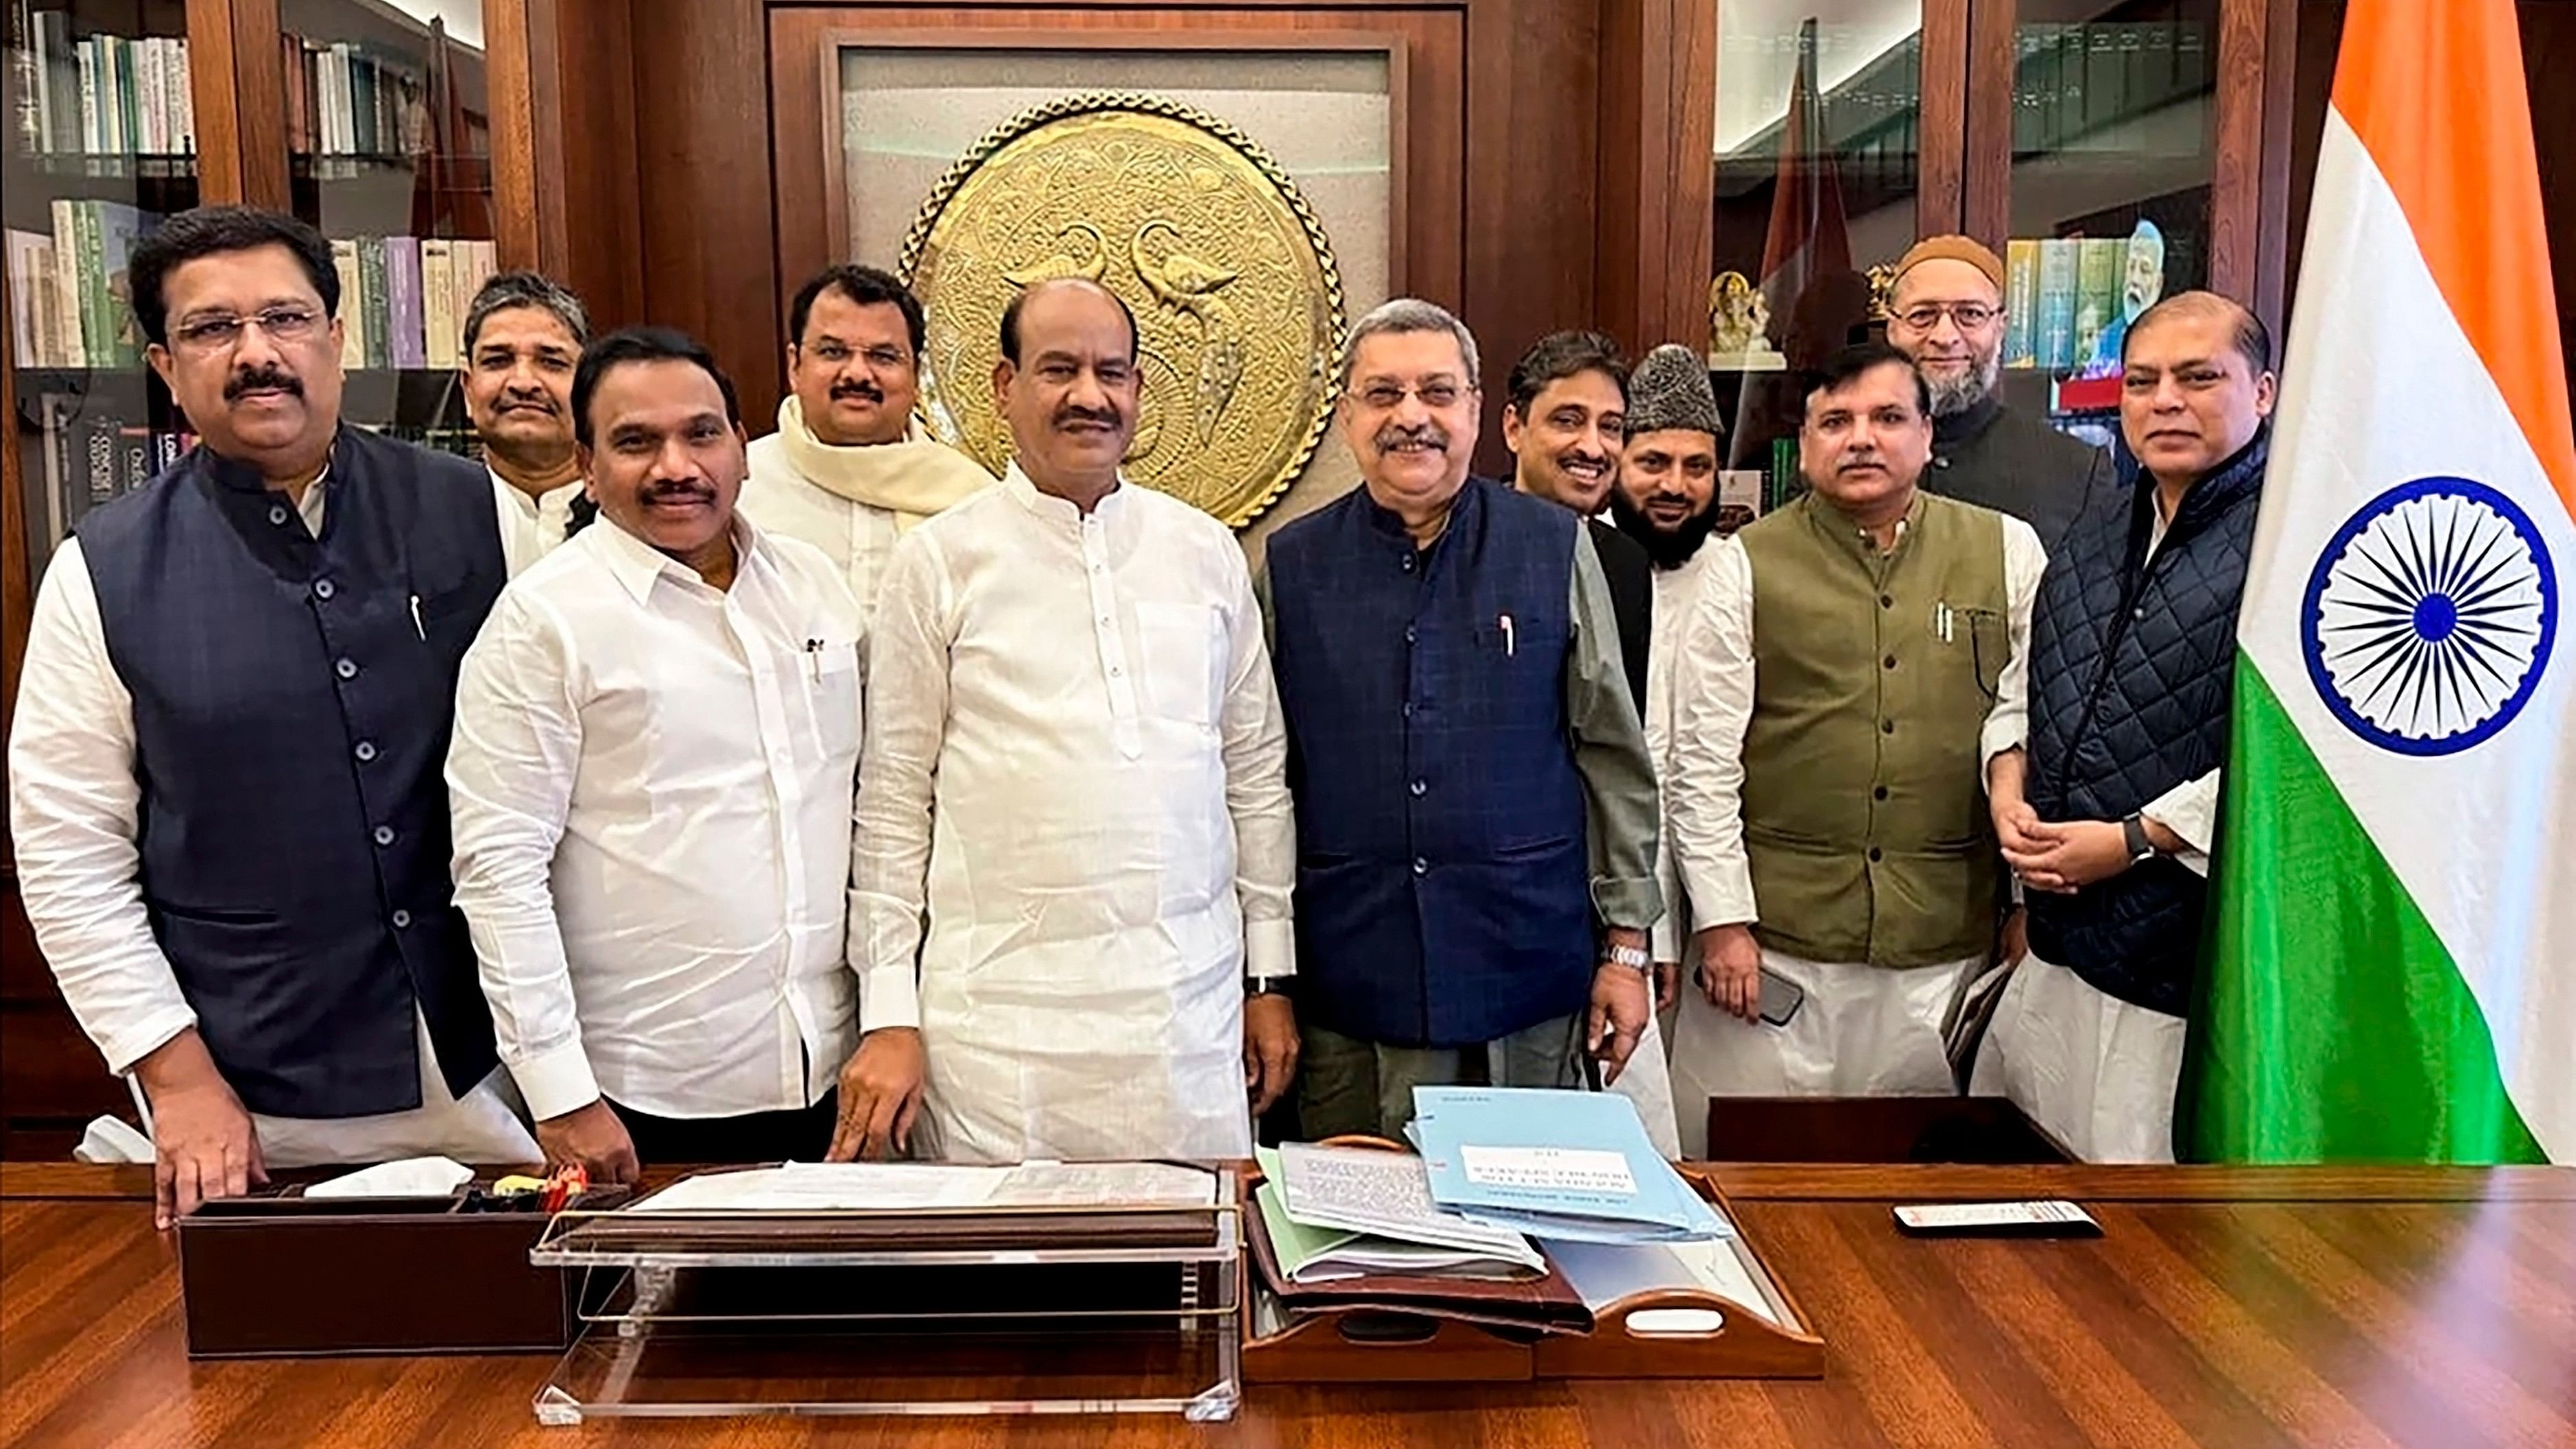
{"x": 1738, "y": 318}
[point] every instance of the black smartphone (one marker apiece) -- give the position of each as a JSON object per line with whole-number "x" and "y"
{"x": 1781, "y": 998}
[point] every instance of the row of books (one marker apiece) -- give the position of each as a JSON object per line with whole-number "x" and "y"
{"x": 67, "y": 290}
{"x": 2072, "y": 78}
{"x": 344, "y": 100}
{"x": 403, "y": 299}
{"x": 2061, "y": 294}
{"x": 92, "y": 455}
{"x": 96, "y": 94}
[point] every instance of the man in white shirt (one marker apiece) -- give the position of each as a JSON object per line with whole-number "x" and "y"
{"x": 1846, "y": 660}
{"x": 850, "y": 468}
{"x": 224, "y": 791}
{"x": 523, "y": 336}
{"x": 1071, "y": 920}
{"x": 656, "y": 743}
{"x": 2107, "y": 803}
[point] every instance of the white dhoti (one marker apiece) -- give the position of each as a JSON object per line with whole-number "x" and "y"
{"x": 2094, "y": 1071}
{"x": 1647, "y": 1082}
{"x": 1864, "y": 1031}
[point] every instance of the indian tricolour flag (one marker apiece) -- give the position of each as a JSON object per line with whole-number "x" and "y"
{"x": 2393, "y": 969}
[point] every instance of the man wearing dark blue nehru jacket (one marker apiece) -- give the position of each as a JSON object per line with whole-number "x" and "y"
{"x": 224, "y": 771}
{"x": 1476, "y": 816}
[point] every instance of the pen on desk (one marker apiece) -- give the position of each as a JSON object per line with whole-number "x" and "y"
{"x": 1510, "y": 644}
{"x": 415, "y": 619}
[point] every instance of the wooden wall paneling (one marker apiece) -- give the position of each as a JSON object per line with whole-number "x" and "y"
{"x": 705, "y": 202}
{"x": 1985, "y": 207}
{"x": 251, "y": 111}
{"x": 2245, "y": 37}
{"x": 1943, "y": 160}
{"x": 2272, "y": 215}
{"x": 563, "y": 143}
{"x": 509, "y": 81}
{"x": 1658, "y": 144}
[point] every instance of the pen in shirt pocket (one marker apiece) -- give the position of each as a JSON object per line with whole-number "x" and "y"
{"x": 814, "y": 660}
{"x": 415, "y": 619}
{"x": 1511, "y": 644}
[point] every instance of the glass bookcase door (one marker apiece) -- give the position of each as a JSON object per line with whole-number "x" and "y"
{"x": 1819, "y": 152}
{"x": 389, "y": 148}
{"x": 101, "y": 145}
{"x": 2114, "y": 153}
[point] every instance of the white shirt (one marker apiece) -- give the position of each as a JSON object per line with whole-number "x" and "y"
{"x": 75, "y": 818}
{"x": 2189, "y": 810}
{"x": 1676, "y": 589}
{"x": 651, "y": 782}
{"x": 1713, "y": 689}
{"x": 857, "y": 538}
{"x": 1076, "y": 774}
{"x": 544, "y": 520}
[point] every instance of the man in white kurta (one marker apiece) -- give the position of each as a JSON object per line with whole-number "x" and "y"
{"x": 656, "y": 746}
{"x": 1072, "y": 896}
{"x": 1893, "y": 624}
{"x": 523, "y": 337}
{"x": 850, "y": 468}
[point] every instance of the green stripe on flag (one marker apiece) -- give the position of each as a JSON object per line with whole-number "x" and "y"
{"x": 2332, "y": 1025}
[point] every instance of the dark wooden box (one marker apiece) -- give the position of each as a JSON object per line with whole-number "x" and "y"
{"x": 1877, "y": 1129}
{"x": 304, "y": 1277}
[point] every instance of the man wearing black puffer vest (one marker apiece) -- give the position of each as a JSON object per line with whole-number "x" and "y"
{"x": 2106, "y": 814}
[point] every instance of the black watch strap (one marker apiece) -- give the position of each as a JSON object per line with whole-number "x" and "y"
{"x": 2133, "y": 831}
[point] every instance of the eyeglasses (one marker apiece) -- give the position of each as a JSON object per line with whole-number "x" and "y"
{"x": 1436, "y": 394}
{"x": 1969, "y": 315}
{"x": 220, "y": 333}
{"x": 883, "y": 359}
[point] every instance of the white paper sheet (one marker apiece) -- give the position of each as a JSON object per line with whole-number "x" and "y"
{"x": 916, "y": 1186}
{"x": 1604, "y": 1273}
{"x": 1386, "y": 1193}
{"x": 411, "y": 1177}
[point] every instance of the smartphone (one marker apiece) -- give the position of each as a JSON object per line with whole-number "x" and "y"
{"x": 1781, "y": 998}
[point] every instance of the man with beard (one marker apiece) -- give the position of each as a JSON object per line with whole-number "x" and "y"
{"x": 1667, "y": 501}
{"x": 1475, "y": 808}
{"x": 1840, "y": 673}
{"x": 523, "y": 336}
{"x": 224, "y": 770}
{"x": 1946, "y": 311}
{"x": 2109, "y": 814}
{"x": 1071, "y": 920}
{"x": 1564, "y": 421}
{"x": 850, "y": 469}
{"x": 657, "y": 741}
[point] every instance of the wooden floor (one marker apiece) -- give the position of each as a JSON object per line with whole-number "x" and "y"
{"x": 2236, "y": 1308}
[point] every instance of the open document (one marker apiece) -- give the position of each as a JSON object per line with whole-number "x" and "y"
{"x": 1359, "y": 1190}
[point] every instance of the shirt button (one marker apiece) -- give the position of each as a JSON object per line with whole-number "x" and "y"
{"x": 324, "y": 588}
{"x": 1891, "y": 661}
{"x": 1115, "y": 671}
{"x": 402, "y": 920}
{"x": 2139, "y": 612}
{"x": 1408, "y": 563}
{"x": 384, "y": 835}
{"x": 1408, "y": 709}
{"x": 1874, "y": 852}
{"x": 366, "y": 751}
{"x": 1887, "y": 726}
{"x": 1887, "y": 601}
{"x": 1421, "y": 866}
{"x": 1420, "y": 785}
{"x": 277, "y": 513}
{"x": 346, "y": 669}
{"x": 1411, "y": 634}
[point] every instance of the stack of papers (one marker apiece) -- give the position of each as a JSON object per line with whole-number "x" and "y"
{"x": 1567, "y": 1165}
{"x": 822, "y": 1187}
{"x": 1345, "y": 1212}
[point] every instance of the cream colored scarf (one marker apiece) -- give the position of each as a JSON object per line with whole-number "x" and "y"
{"x": 911, "y": 479}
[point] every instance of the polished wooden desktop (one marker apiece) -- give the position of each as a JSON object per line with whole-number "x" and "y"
{"x": 2231, "y": 1307}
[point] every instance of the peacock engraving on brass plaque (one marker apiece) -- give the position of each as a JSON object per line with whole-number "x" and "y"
{"x": 1238, "y": 304}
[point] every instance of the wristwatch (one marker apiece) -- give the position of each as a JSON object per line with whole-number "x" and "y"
{"x": 1632, "y": 957}
{"x": 1266, "y": 985}
{"x": 2133, "y": 831}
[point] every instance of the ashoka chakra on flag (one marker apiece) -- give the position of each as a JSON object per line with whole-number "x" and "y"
{"x": 2429, "y": 617}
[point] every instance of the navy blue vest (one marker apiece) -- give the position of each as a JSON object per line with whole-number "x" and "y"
{"x": 2132, "y": 664}
{"x": 1443, "y": 885}
{"x": 292, "y": 698}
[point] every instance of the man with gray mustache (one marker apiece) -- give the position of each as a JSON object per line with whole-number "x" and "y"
{"x": 1476, "y": 816}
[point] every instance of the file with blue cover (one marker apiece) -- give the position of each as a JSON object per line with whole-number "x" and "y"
{"x": 1570, "y": 1165}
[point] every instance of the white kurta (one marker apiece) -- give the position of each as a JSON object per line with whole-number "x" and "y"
{"x": 651, "y": 785}
{"x": 857, "y": 538}
{"x": 543, "y": 521}
{"x": 1075, "y": 772}
{"x": 1864, "y": 1030}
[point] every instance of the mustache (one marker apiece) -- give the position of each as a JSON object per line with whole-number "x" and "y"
{"x": 542, "y": 402}
{"x": 260, "y": 379}
{"x": 1103, "y": 417}
{"x": 1861, "y": 460}
{"x": 677, "y": 491}
{"x": 868, "y": 390}
{"x": 1397, "y": 434}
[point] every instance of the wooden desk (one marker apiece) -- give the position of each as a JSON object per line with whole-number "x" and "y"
{"x": 2239, "y": 1308}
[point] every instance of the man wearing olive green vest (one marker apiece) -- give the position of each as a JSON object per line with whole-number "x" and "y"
{"x": 1841, "y": 666}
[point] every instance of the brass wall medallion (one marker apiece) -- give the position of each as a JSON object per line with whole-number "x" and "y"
{"x": 1238, "y": 304}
